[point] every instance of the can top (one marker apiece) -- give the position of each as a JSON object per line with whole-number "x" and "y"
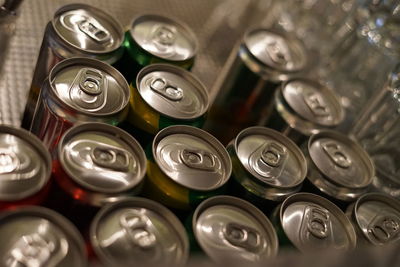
{"x": 163, "y": 37}
{"x": 240, "y": 231}
{"x": 25, "y": 164}
{"x": 271, "y": 157}
{"x": 313, "y": 102}
{"x": 312, "y": 222}
{"x": 137, "y": 232}
{"x": 102, "y": 158}
{"x": 192, "y": 157}
{"x": 89, "y": 86}
{"x": 36, "y": 236}
{"x": 172, "y": 91}
{"x": 378, "y": 217}
{"x": 341, "y": 160}
{"x": 275, "y": 50}
{"x": 88, "y": 29}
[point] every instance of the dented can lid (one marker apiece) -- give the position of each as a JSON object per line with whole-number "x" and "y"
{"x": 312, "y": 223}
{"x": 164, "y": 37}
{"x": 230, "y": 228}
{"x": 36, "y": 236}
{"x": 88, "y": 28}
{"x": 137, "y": 232}
{"x": 192, "y": 157}
{"x": 25, "y": 164}
{"x": 172, "y": 91}
{"x": 102, "y": 158}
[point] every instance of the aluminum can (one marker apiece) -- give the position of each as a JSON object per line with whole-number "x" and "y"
{"x": 262, "y": 60}
{"x": 166, "y": 95}
{"x": 157, "y": 39}
{"x": 186, "y": 166}
{"x": 76, "y": 30}
{"x": 96, "y": 164}
{"x": 338, "y": 167}
{"x": 37, "y": 236}
{"x": 376, "y": 219}
{"x": 25, "y": 168}
{"x": 138, "y": 232}
{"x": 79, "y": 90}
{"x": 310, "y": 223}
{"x": 231, "y": 230}
{"x": 267, "y": 166}
{"x": 303, "y": 107}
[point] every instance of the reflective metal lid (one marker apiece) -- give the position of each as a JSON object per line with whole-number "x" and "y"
{"x": 230, "y": 228}
{"x": 271, "y": 157}
{"x": 36, "y": 236}
{"x": 89, "y": 86}
{"x": 25, "y": 164}
{"x": 313, "y": 223}
{"x": 378, "y": 217}
{"x": 102, "y": 158}
{"x": 88, "y": 28}
{"x": 192, "y": 157}
{"x": 164, "y": 38}
{"x": 138, "y": 232}
{"x": 172, "y": 91}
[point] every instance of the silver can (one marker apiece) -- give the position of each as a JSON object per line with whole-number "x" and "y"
{"x": 138, "y": 232}
{"x": 36, "y": 236}
{"x": 76, "y": 30}
{"x": 229, "y": 229}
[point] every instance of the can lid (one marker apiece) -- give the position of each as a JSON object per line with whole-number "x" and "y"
{"x": 25, "y": 164}
{"x": 341, "y": 160}
{"x": 89, "y": 86}
{"x": 36, "y": 236}
{"x": 137, "y": 232}
{"x": 230, "y": 228}
{"x": 276, "y": 51}
{"x": 88, "y": 28}
{"x": 163, "y": 37}
{"x": 313, "y": 102}
{"x": 312, "y": 222}
{"x": 378, "y": 217}
{"x": 271, "y": 157}
{"x": 192, "y": 157}
{"x": 172, "y": 91}
{"x": 102, "y": 158}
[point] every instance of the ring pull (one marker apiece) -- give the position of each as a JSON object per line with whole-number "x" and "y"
{"x": 317, "y": 104}
{"x": 94, "y": 30}
{"x": 111, "y": 158}
{"x": 162, "y": 87}
{"x": 337, "y": 154}
{"x": 198, "y": 159}
{"x": 243, "y": 236}
{"x": 135, "y": 226}
{"x": 317, "y": 222}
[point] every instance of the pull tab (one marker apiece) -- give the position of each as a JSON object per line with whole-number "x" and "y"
{"x": 243, "y": 236}
{"x": 91, "y": 81}
{"x": 317, "y": 222}
{"x": 337, "y": 154}
{"x": 9, "y": 161}
{"x": 385, "y": 228}
{"x": 164, "y": 35}
{"x": 162, "y": 87}
{"x": 94, "y": 30}
{"x": 111, "y": 158}
{"x": 317, "y": 104}
{"x": 273, "y": 154}
{"x": 198, "y": 159}
{"x": 276, "y": 52}
{"x": 134, "y": 224}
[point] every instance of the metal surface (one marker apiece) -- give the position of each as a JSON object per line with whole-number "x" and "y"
{"x": 228, "y": 227}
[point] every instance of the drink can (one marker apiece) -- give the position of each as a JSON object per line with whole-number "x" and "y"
{"x": 338, "y": 167}
{"x": 37, "y": 236}
{"x": 186, "y": 166}
{"x": 376, "y": 219}
{"x": 25, "y": 168}
{"x": 262, "y": 60}
{"x": 229, "y": 229}
{"x": 157, "y": 39}
{"x": 310, "y": 223}
{"x": 166, "y": 95}
{"x": 138, "y": 232}
{"x": 303, "y": 107}
{"x": 79, "y": 90}
{"x": 267, "y": 166}
{"x": 76, "y": 30}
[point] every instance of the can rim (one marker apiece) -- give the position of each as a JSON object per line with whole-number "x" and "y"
{"x": 37, "y": 144}
{"x": 143, "y": 203}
